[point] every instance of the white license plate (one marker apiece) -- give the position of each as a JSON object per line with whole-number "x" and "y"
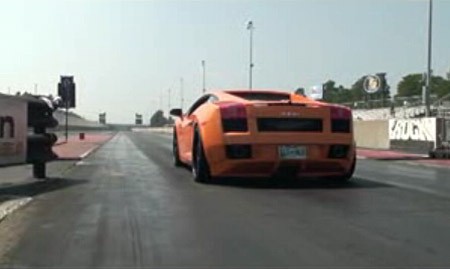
{"x": 292, "y": 152}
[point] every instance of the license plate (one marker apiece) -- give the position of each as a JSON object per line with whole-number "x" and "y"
{"x": 292, "y": 152}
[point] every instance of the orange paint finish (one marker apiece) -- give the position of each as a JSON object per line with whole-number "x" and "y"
{"x": 267, "y": 155}
{"x": 264, "y": 160}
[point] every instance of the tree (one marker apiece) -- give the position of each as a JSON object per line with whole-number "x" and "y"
{"x": 158, "y": 119}
{"x": 357, "y": 90}
{"x": 335, "y": 94}
{"x": 344, "y": 95}
{"x": 300, "y": 91}
{"x": 412, "y": 85}
{"x": 440, "y": 86}
{"x": 340, "y": 94}
{"x": 329, "y": 92}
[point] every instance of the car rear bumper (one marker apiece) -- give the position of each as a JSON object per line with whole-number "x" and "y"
{"x": 265, "y": 161}
{"x": 304, "y": 168}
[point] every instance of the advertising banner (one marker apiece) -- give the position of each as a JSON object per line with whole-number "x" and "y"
{"x": 414, "y": 135}
{"x": 423, "y": 129}
{"x": 13, "y": 130}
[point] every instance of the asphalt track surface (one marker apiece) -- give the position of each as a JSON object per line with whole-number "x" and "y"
{"x": 126, "y": 206}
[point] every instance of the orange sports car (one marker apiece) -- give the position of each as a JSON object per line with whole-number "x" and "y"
{"x": 264, "y": 134}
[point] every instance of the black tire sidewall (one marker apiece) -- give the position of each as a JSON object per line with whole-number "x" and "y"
{"x": 200, "y": 167}
{"x": 349, "y": 174}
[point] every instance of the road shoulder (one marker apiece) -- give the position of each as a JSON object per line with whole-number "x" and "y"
{"x": 17, "y": 186}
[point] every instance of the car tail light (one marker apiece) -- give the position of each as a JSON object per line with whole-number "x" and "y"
{"x": 341, "y": 118}
{"x": 338, "y": 151}
{"x": 339, "y": 112}
{"x": 234, "y": 117}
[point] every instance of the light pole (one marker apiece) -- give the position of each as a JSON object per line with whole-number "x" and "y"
{"x": 428, "y": 79}
{"x": 250, "y": 28}
{"x": 168, "y": 111}
{"x": 204, "y": 76}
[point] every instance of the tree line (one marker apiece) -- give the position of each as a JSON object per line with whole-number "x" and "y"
{"x": 159, "y": 120}
{"x": 410, "y": 85}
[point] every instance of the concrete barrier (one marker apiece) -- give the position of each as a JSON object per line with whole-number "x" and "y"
{"x": 372, "y": 134}
{"x": 419, "y": 135}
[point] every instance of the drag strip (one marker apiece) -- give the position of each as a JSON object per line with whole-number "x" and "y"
{"x": 401, "y": 173}
{"x": 131, "y": 208}
{"x": 405, "y": 174}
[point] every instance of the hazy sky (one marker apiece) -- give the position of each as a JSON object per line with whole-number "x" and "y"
{"x": 126, "y": 54}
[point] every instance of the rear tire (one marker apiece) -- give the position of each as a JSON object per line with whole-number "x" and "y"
{"x": 347, "y": 176}
{"x": 200, "y": 167}
{"x": 176, "y": 155}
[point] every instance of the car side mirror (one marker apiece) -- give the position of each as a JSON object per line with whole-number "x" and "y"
{"x": 177, "y": 112}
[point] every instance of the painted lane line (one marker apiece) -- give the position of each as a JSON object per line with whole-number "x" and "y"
{"x": 84, "y": 155}
{"x": 407, "y": 186}
{"x": 8, "y": 207}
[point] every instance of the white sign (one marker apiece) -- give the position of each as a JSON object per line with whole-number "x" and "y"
{"x": 13, "y": 130}
{"x": 423, "y": 129}
{"x": 372, "y": 83}
{"x": 315, "y": 92}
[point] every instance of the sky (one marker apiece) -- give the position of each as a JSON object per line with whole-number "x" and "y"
{"x": 126, "y": 55}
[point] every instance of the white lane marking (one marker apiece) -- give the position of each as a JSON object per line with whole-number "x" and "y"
{"x": 84, "y": 155}
{"x": 403, "y": 185}
{"x": 8, "y": 207}
{"x": 82, "y": 163}
{"x": 418, "y": 179}
{"x": 394, "y": 158}
{"x": 154, "y": 129}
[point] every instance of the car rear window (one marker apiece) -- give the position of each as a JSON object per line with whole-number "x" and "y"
{"x": 261, "y": 96}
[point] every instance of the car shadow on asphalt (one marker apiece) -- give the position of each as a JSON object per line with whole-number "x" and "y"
{"x": 305, "y": 184}
{"x": 36, "y": 187}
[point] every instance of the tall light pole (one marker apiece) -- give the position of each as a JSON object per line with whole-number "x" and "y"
{"x": 428, "y": 78}
{"x": 168, "y": 102}
{"x": 204, "y": 76}
{"x": 250, "y": 79}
